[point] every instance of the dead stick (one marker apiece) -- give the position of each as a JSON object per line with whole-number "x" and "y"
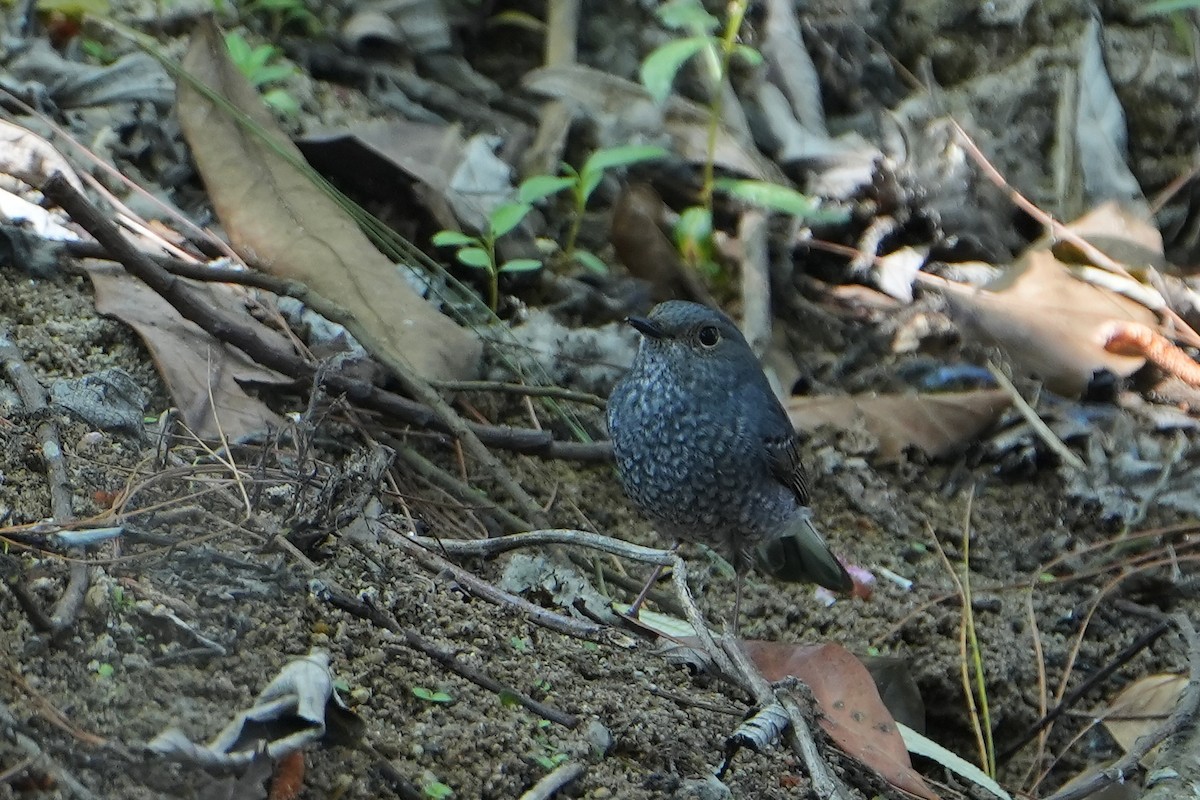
{"x": 33, "y": 396}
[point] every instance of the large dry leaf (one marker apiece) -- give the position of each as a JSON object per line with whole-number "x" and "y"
{"x": 1142, "y": 707}
{"x": 190, "y": 361}
{"x": 937, "y": 424}
{"x": 274, "y": 214}
{"x": 1049, "y": 324}
{"x": 1127, "y": 236}
{"x": 852, "y": 713}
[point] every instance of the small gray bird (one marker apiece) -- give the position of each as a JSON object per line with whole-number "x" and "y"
{"x": 704, "y": 448}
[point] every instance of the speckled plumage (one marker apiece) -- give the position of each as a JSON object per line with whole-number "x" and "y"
{"x": 704, "y": 447}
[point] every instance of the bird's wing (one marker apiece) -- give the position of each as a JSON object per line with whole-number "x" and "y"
{"x": 784, "y": 460}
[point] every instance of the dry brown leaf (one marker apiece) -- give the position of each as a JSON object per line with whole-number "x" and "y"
{"x": 188, "y": 359}
{"x": 936, "y": 424}
{"x": 1142, "y": 707}
{"x": 1122, "y": 234}
{"x": 852, "y": 713}
{"x": 1049, "y": 324}
{"x": 646, "y": 251}
{"x": 275, "y": 215}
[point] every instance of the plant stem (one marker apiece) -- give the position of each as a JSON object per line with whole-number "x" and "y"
{"x": 733, "y": 23}
{"x": 576, "y": 223}
{"x": 493, "y": 273}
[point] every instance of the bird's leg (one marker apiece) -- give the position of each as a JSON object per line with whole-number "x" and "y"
{"x": 636, "y": 608}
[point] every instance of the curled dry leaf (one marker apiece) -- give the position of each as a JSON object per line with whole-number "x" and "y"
{"x": 1049, "y": 324}
{"x": 274, "y": 213}
{"x": 937, "y": 424}
{"x": 201, "y": 373}
{"x": 1142, "y": 707}
{"x": 853, "y": 714}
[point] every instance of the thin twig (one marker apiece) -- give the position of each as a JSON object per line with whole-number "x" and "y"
{"x": 430, "y": 560}
{"x": 1093, "y": 679}
{"x": 556, "y": 392}
{"x": 605, "y": 544}
{"x": 70, "y": 784}
{"x": 458, "y": 489}
{"x": 1039, "y": 427}
{"x": 1181, "y": 720}
{"x": 1061, "y": 232}
{"x": 33, "y": 396}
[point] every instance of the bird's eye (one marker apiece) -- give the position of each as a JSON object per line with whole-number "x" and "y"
{"x": 709, "y": 336}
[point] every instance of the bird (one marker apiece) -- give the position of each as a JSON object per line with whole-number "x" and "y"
{"x": 705, "y": 449}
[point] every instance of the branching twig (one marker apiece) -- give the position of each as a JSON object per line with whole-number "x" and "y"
{"x": 462, "y": 491}
{"x": 1040, "y": 428}
{"x": 800, "y": 736}
{"x": 1181, "y": 720}
{"x": 33, "y": 396}
{"x": 430, "y": 560}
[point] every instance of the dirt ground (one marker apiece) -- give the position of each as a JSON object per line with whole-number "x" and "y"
{"x": 211, "y": 551}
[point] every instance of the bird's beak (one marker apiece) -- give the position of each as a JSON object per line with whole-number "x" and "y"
{"x": 646, "y": 327}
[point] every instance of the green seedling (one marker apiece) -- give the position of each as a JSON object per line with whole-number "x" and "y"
{"x": 431, "y": 696}
{"x": 582, "y": 183}
{"x": 784, "y": 199}
{"x": 479, "y": 252}
{"x": 281, "y": 14}
{"x": 263, "y": 65}
{"x": 699, "y": 37}
{"x": 437, "y": 790}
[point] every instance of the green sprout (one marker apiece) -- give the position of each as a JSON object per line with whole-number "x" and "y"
{"x": 437, "y": 790}
{"x": 431, "y": 696}
{"x": 262, "y": 65}
{"x": 582, "y": 183}
{"x": 479, "y": 252}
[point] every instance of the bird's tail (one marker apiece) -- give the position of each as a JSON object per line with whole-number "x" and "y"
{"x": 800, "y": 555}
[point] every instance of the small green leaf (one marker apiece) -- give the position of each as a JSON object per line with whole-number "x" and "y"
{"x": 475, "y": 257}
{"x": 663, "y": 64}
{"x": 507, "y": 216}
{"x": 437, "y": 790}
{"x": 774, "y": 197}
{"x": 748, "y": 54}
{"x": 687, "y": 15}
{"x": 238, "y": 47}
{"x": 694, "y": 227}
{"x": 539, "y": 187}
{"x": 281, "y": 101}
{"x": 590, "y": 261}
{"x": 508, "y": 698}
{"x": 272, "y": 72}
{"x": 610, "y": 157}
{"x": 430, "y": 695}
{"x": 521, "y": 265}
{"x": 104, "y": 670}
{"x": 623, "y": 156}
{"x": 453, "y": 239}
